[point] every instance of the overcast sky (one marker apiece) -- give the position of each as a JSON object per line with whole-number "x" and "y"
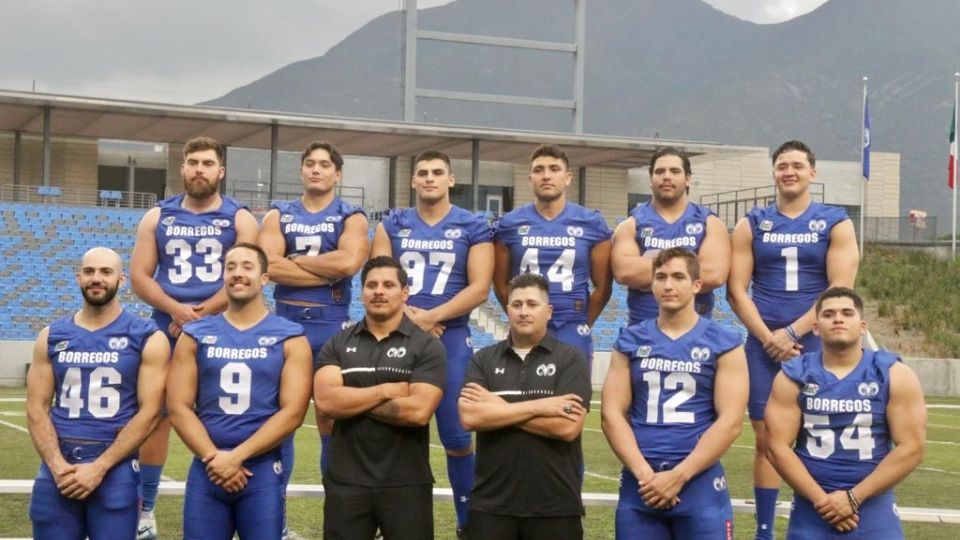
{"x": 186, "y": 51}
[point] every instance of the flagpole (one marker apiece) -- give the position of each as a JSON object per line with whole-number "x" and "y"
{"x": 863, "y": 182}
{"x": 953, "y": 228}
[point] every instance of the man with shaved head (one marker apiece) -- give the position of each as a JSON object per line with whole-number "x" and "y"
{"x": 94, "y": 392}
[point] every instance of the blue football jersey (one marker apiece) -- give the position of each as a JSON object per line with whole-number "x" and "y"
{"x": 191, "y": 247}
{"x": 790, "y": 259}
{"x": 238, "y": 374}
{"x": 845, "y": 433}
{"x": 311, "y": 234}
{"x": 435, "y": 257}
{"x": 95, "y": 374}
{"x": 557, "y": 249}
{"x": 673, "y": 385}
{"x": 654, "y": 234}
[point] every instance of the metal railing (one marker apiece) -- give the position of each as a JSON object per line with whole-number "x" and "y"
{"x": 730, "y": 206}
{"x": 259, "y": 200}
{"x": 76, "y": 196}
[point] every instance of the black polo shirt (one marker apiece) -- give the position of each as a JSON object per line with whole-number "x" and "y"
{"x": 519, "y": 473}
{"x": 366, "y": 451}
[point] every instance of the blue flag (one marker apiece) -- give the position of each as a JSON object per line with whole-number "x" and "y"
{"x": 866, "y": 138}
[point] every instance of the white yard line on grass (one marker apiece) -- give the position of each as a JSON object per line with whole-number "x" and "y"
{"x": 601, "y": 476}
{"x": 942, "y": 406}
{"x": 13, "y": 399}
{"x": 14, "y": 426}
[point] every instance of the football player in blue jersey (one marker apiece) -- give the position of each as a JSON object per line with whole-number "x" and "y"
{"x": 845, "y": 425}
{"x": 562, "y": 241}
{"x": 94, "y": 393}
{"x": 665, "y": 416}
{"x": 669, "y": 220}
{"x": 315, "y": 245}
{"x": 238, "y": 386}
{"x": 177, "y": 267}
{"x": 447, "y": 253}
{"x": 785, "y": 254}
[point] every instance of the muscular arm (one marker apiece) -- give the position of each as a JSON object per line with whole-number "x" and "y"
{"x": 334, "y": 400}
{"x": 783, "y": 420}
{"x": 247, "y": 230}
{"x": 381, "y": 245}
{"x": 181, "y": 396}
{"x": 349, "y": 256}
{"x": 501, "y": 272}
{"x": 481, "y": 410}
{"x": 143, "y": 266}
{"x": 741, "y": 272}
{"x": 40, "y": 391}
{"x": 615, "y": 412}
{"x": 282, "y": 270}
{"x": 601, "y": 277}
{"x": 714, "y": 255}
{"x": 415, "y": 409}
{"x": 907, "y": 421}
{"x": 479, "y": 276}
{"x": 630, "y": 268}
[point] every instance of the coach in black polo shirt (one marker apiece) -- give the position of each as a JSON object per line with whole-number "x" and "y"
{"x": 381, "y": 381}
{"x": 527, "y": 397}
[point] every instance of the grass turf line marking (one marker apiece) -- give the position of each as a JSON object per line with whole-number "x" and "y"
{"x": 14, "y": 426}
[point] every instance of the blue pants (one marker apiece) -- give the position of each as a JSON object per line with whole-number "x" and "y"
{"x": 878, "y": 521}
{"x": 704, "y": 511}
{"x": 576, "y": 333}
{"x": 256, "y": 512}
{"x": 763, "y": 369}
{"x": 456, "y": 341}
{"x": 110, "y": 512}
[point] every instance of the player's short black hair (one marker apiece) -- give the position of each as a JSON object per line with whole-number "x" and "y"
{"x": 798, "y": 146}
{"x": 384, "y": 262}
{"x": 430, "y": 155}
{"x": 522, "y": 281}
{"x": 261, "y": 255}
{"x": 550, "y": 150}
{"x": 839, "y": 292}
{"x": 335, "y": 156}
{"x": 670, "y": 151}
{"x": 667, "y": 255}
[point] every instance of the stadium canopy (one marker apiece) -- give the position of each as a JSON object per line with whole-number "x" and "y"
{"x": 52, "y": 115}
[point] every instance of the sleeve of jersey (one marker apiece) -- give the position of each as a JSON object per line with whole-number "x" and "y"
{"x": 143, "y": 329}
{"x": 575, "y": 378}
{"x": 599, "y": 227}
{"x": 754, "y": 216}
{"x": 626, "y": 342}
{"x": 795, "y": 368}
{"x": 703, "y": 213}
{"x": 725, "y": 340}
{"x": 431, "y": 365}
{"x": 328, "y": 354}
{"x": 834, "y": 215}
{"x": 237, "y": 205}
{"x": 347, "y": 209}
{"x": 475, "y": 372}
{"x": 290, "y": 329}
{"x": 195, "y": 328}
{"x": 280, "y": 206}
{"x": 502, "y": 229}
{"x": 391, "y": 222}
{"x": 479, "y": 230}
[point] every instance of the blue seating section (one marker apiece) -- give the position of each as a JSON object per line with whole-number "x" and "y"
{"x": 41, "y": 245}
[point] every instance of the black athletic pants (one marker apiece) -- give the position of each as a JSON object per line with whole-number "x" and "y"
{"x": 401, "y": 513}
{"x": 486, "y": 526}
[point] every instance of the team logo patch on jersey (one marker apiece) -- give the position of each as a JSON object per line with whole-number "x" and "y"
{"x": 221, "y": 223}
{"x": 643, "y": 351}
{"x": 499, "y": 371}
{"x": 575, "y": 231}
{"x": 720, "y": 483}
{"x": 118, "y": 343}
{"x": 868, "y": 389}
{"x": 646, "y": 232}
{"x": 893, "y": 507}
{"x": 694, "y": 228}
{"x": 61, "y": 346}
{"x": 168, "y": 220}
{"x": 403, "y": 233}
{"x": 286, "y": 218}
{"x": 135, "y": 465}
{"x": 523, "y": 229}
{"x": 700, "y": 353}
{"x": 208, "y": 340}
{"x": 546, "y": 370}
{"x": 817, "y": 225}
{"x": 277, "y": 467}
{"x": 453, "y": 233}
{"x": 396, "y": 352}
{"x": 469, "y": 342}
{"x": 766, "y": 225}
{"x": 334, "y": 219}
{"x": 583, "y": 329}
{"x": 351, "y": 349}
{"x": 267, "y": 340}
{"x": 346, "y": 324}
{"x": 811, "y": 389}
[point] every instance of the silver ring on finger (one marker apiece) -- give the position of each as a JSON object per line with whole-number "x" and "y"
{"x": 568, "y": 409}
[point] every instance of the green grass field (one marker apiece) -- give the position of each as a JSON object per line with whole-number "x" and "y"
{"x": 934, "y": 485}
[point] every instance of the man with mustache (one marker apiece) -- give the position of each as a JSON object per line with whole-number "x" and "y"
{"x": 94, "y": 393}
{"x": 239, "y": 385}
{"x": 381, "y": 381}
{"x": 177, "y": 267}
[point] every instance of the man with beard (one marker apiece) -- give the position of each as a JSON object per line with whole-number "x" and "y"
{"x": 239, "y": 385}
{"x": 783, "y": 257}
{"x": 381, "y": 381}
{"x": 845, "y": 425}
{"x": 94, "y": 393}
{"x": 315, "y": 245}
{"x": 448, "y": 254}
{"x": 177, "y": 267}
{"x": 669, "y": 220}
{"x": 564, "y": 242}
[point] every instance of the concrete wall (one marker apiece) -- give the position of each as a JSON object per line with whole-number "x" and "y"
{"x": 73, "y": 162}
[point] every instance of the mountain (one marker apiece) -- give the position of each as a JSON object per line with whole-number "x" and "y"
{"x": 677, "y": 67}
